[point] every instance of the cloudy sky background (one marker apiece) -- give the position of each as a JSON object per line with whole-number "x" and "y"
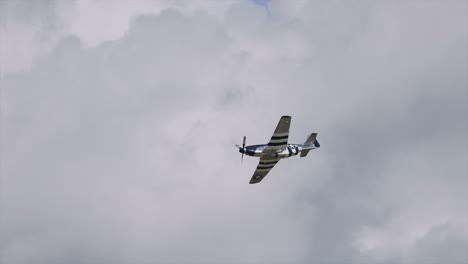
{"x": 118, "y": 121}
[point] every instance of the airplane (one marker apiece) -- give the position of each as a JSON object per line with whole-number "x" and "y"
{"x": 278, "y": 148}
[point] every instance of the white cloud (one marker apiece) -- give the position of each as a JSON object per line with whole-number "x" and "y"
{"x": 117, "y": 144}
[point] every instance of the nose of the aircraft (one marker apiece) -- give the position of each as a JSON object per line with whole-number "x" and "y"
{"x": 242, "y": 150}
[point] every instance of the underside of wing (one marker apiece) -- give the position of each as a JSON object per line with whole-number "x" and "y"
{"x": 279, "y": 140}
{"x": 264, "y": 166}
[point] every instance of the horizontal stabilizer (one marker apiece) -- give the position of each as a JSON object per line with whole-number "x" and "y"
{"x": 309, "y": 144}
{"x": 305, "y": 152}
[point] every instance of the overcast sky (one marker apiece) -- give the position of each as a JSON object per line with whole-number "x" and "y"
{"x": 119, "y": 120}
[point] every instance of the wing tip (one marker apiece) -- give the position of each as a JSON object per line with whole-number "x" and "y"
{"x": 256, "y": 179}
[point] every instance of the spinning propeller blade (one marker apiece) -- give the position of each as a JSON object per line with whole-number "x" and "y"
{"x": 243, "y": 146}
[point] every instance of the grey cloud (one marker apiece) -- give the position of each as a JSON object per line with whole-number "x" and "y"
{"x": 123, "y": 152}
{"x": 27, "y": 29}
{"x": 107, "y": 158}
{"x": 444, "y": 245}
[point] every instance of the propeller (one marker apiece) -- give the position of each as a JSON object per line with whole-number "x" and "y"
{"x": 241, "y": 149}
{"x": 243, "y": 146}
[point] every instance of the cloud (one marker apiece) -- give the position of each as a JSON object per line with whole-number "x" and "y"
{"x": 33, "y": 30}
{"x": 121, "y": 151}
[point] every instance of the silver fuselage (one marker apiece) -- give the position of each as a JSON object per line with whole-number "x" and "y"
{"x": 259, "y": 150}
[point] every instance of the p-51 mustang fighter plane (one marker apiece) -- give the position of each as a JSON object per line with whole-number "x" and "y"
{"x": 278, "y": 148}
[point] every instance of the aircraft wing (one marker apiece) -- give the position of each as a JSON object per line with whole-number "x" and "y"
{"x": 264, "y": 166}
{"x": 279, "y": 140}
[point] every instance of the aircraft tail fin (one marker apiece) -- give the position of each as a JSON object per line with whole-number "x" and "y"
{"x": 309, "y": 144}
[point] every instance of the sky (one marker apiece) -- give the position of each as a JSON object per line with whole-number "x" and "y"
{"x": 119, "y": 120}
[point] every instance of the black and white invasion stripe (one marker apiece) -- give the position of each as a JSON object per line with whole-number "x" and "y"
{"x": 279, "y": 139}
{"x": 266, "y": 165}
